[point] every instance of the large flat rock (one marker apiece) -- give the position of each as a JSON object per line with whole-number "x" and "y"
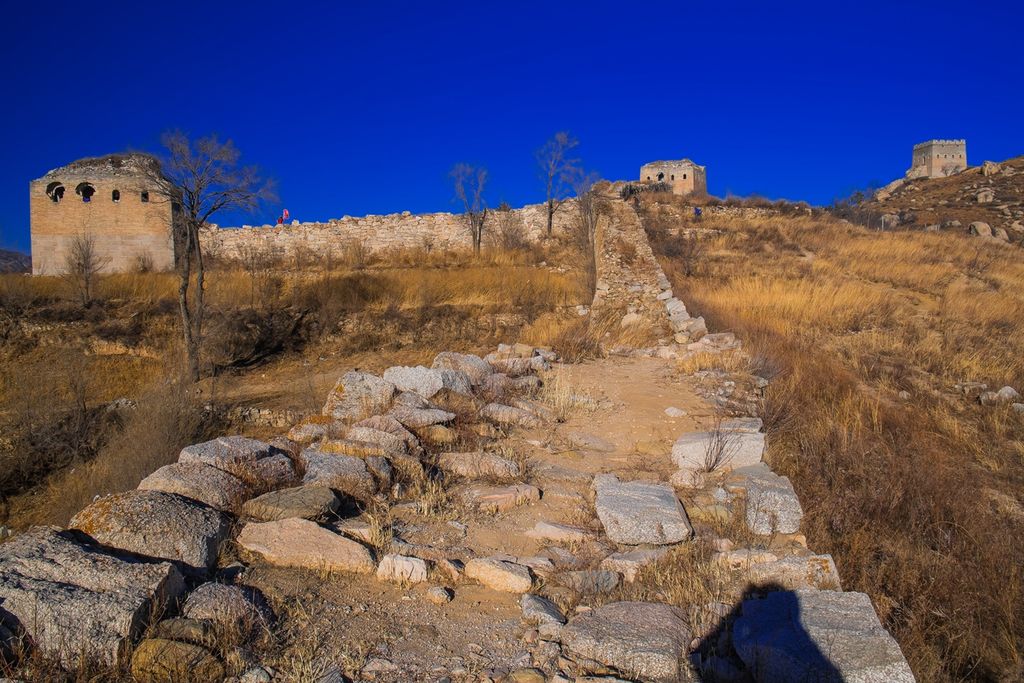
{"x": 74, "y": 598}
{"x": 475, "y": 367}
{"x": 428, "y": 381}
{"x": 226, "y": 452}
{"x": 724, "y": 449}
{"x": 641, "y": 640}
{"x": 201, "y": 482}
{"x": 304, "y": 544}
{"x": 772, "y": 504}
{"x": 307, "y": 502}
{"x": 477, "y": 465}
{"x": 358, "y": 394}
{"x": 636, "y": 513}
{"x": 811, "y": 635}
{"x": 344, "y": 473}
{"x": 157, "y": 524}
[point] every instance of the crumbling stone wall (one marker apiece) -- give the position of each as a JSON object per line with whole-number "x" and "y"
{"x": 102, "y": 197}
{"x": 376, "y": 233}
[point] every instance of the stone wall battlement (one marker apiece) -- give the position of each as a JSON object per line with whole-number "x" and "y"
{"x": 376, "y": 233}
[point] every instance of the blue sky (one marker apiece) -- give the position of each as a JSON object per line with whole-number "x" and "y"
{"x": 361, "y": 108}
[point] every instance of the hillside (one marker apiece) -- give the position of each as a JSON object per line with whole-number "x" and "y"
{"x": 991, "y": 193}
{"x": 14, "y": 262}
{"x": 885, "y": 350}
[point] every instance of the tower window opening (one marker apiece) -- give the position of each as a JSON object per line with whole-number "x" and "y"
{"x": 144, "y": 196}
{"x": 85, "y": 191}
{"x": 55, "y": 191}
{"x": 116, "y": 196}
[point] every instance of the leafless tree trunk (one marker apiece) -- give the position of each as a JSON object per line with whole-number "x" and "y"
{"x": 587, "y": 204}
{"x": 82, "y": 266}
{"x": 200, "y": 178}
{"x": 469, "y": 184}
{"x": 558, "y": 171}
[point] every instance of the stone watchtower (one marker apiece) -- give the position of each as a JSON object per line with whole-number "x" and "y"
{"x": 938, "y": 158}
{"x": 112, "y": 199}
{"x": 684, "y": 176}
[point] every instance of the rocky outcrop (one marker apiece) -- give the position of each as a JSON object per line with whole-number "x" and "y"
{"x": 635, "y": 512}
{"x": 158, "y": 525}
{"x": 200, "y": 482}
{"x": 641, "y": 640}
{"x": 306, "y": 545}
{"x": 817, "y": 635}
{"x": 74, "y": 599}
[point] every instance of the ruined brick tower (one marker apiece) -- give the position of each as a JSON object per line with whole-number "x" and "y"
{"x": 109, "y": 198}
{"x": 938, "y": 158}
{"x": 684, "y": 176}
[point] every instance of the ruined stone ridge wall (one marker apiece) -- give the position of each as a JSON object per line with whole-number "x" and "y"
{"x": 376, "y": 233}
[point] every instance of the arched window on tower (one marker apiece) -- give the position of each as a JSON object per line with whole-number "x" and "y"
{"x": 55, "y": 191}
{"x": 144, "y": 196}
{"x": 85, "y": 191}
{"x": 661, "y": 176}
{"x": 115, "y": 196}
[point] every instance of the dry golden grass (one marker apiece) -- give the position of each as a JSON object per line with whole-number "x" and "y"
{"x": 61, "y": 363}
{"x": 842, "y": 320}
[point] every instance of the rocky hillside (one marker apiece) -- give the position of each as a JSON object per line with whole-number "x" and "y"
{"x": 992, "y": 193}
{"x": 14, "y": 262}
{"x": 506, "y": 518}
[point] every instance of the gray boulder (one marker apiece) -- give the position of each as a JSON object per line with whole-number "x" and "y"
{"x": 540, "y": 611}
{"x": 308, "y": 502}
{"x": 475, "y": 367}
{"x": 157, "y": 524}
{"x": 640, "y": 640}
{"x": 201, "y": 482}
{"x": 811, "y": 635}
{"x": 477, "y": 464}
{"x": 358, "y": 394}
{"x": 417, "y": 418}
{"x": 722, "y": 449}
{"x": 636, "y": 513}
{"x": 73, "y": 598}
{"x": 343, "y": 473}
{"x": 980, "y": 228}
{"x": 226, "y": 452}
{"x": 387, "y": 423}
{"x": 508, "y": 416}
{"x": 772, "y": 504}
{"x": 391, "y": 443}
{"x": 227, "y": 606}
{"x": 428, "y": 381}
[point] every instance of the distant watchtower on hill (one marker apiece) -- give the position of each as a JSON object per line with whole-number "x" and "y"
{"x": 684, "y": 176}
{"x": 938, "y": 158}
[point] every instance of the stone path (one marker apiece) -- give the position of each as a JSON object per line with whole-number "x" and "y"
{"x": 464, "y": 522}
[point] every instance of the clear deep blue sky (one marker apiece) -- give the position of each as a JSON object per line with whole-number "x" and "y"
{"x": 361, "y": 108}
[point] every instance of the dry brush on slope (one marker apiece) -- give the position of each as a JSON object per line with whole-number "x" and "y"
{"x": 912, "y": 485}
{"x": 63, "y": 365}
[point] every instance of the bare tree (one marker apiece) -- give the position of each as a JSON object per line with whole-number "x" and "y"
{"x": 587, "y": 205}
{"x": 558, "y": 171}
{"x": 82, "y": 266}
{"x": 200, "y": 178}
{"x": 509, "y": 233}
{"x": 469, "y": 182}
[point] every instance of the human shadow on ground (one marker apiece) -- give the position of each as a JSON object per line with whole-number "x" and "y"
{"x": 762, "y": 636}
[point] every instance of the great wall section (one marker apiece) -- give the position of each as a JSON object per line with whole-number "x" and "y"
{"x": 561, "y": 515}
